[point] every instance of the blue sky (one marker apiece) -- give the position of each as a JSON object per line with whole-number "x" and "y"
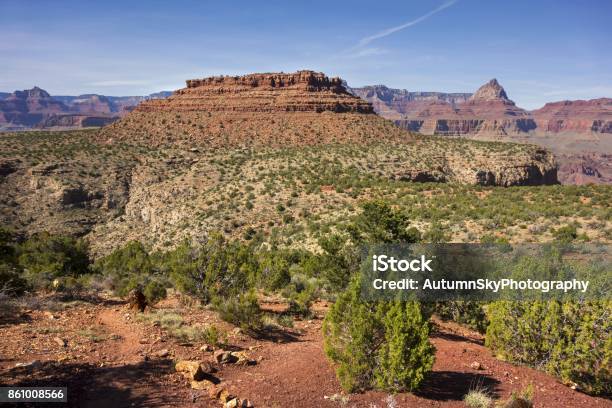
{"x": 539, "y": 50}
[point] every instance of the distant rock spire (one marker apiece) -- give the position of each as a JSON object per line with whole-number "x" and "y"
{"x": 490, "y": 91}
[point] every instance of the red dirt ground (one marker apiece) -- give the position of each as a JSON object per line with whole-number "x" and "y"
{"x": 114, "y": 360}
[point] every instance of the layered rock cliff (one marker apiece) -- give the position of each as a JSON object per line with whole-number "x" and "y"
{"x": 576, "y": 116}
{"x": 28, "y": 108}
{"x": 394, "y": 103}
{"x": 36, "y": 108}
{"x": 307, "y": 108}
{"x": 303, "y": 91}
{"x": 487, "y": 112}
{"x": 272, "y": 109}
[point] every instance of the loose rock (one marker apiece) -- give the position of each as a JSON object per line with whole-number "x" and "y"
{"x": 476, "y": 366}
{"x": 162, "y": 353}
{"x": 192, "y": 370}
{"x": 60, "y": 342}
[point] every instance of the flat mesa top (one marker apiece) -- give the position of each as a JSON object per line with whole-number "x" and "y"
{"x": 306, "y": 79}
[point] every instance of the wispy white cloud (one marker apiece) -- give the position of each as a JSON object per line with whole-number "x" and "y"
{"x": 384, "y": 33}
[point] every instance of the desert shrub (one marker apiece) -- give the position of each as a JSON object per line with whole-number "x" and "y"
{"x": 273, "y": 270}
{"x": 196, "y": 332}
{"x": 565, "y": 234}
{"x": 285, "y": 320}
{"x": 131, "y": 267}
{"x": 211, "y": 335}
{"x": 45, "y": 257}
{"x": 336, "y": 263}
{"x": 570, "y": 339}
{"x": 154, "y": 290}
{"x": 478, "y": 398}
{"x": 381, "y": 345}
{"x": 300, "y": 303}
{"x": 216, "y": 269}
{"x": 241, "y": 310}
{"x": 436, "y": 234}
{"x": 166, "y": 319}
{"x": 11, "y": 281}
{"x": 380, "y": 223}
{"x": 520, "y": 399}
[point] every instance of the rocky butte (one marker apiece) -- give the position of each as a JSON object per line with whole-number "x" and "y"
{"x": 270, "y": 109}
{"x": 593, "y": 116}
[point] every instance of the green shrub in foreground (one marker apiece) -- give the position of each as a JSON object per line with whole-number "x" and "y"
{"x": 382, "y": 345}
{"x": 570, "y": 340}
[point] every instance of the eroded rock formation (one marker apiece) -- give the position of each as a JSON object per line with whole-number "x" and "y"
{"x": 487, "y": 112}
{"x": 303, "y": 91}
{"x": 28, "y": 108}
{"x": 576, "y": 116}
{"x": 273, "y": 109}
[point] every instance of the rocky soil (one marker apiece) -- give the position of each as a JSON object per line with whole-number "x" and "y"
{"x": 109, "y": 355}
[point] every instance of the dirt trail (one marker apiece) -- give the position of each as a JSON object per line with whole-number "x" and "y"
{"x": 128, "y": 335}
{"x": 132, "y": 379}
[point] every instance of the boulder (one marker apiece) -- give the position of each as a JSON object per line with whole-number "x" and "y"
{"x": 191, "y": 370}
{"x": 201, "y": 385}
